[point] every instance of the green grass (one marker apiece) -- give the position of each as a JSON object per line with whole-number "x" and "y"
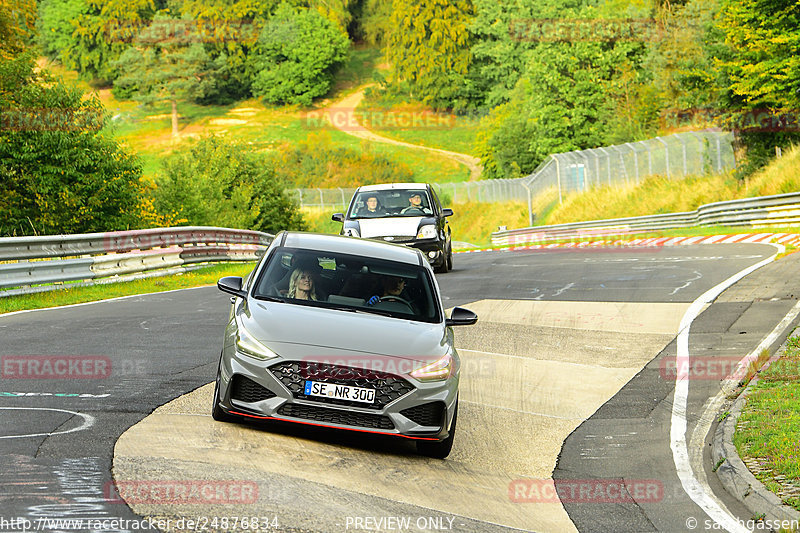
{"x": 74, "y": 295}
{"x": 658, "y": 194}
{"x": 395, "y": 120}
{"x": 147, "y": 130}
{"x": 768, "y": 430}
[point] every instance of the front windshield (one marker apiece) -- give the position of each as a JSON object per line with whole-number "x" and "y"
{"x": 350, "y": 283}
{"x": 391, "y": 203}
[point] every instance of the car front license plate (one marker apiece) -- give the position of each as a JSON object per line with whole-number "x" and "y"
{"x": 339, "y": 392}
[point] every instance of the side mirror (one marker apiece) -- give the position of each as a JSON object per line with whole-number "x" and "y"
{"x": 337, "y": 217}
{"x": 232, "y": 285}
{"x": 447, "y": 212}
{"x": 461, "y": 317}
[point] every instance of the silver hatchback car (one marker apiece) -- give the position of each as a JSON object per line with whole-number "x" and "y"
{"x": 342, "y": 333}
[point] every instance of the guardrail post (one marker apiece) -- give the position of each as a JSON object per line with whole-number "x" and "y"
{"x": 530, "y": 204}
{"x": 608, "y": 163}
{"x": 621, "y": 163}
{"x": 558, "y": 177}
{"x": 680, "y": 138}
{"x": 666, "y": 154}
{"x": 635, "y": 160}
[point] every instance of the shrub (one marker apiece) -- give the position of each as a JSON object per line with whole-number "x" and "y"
{"x": 295, "y": 56}
{"x": 218, "y": 182}
{"x": 317, "y": 162}
{"x": 61, "y": 172}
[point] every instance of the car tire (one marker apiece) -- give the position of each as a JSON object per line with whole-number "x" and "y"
{"x": 439, "y": 449}
{"x": 217, "y": 412}
{"x": 443, "y": 268}
{"x": 450, "y": 259}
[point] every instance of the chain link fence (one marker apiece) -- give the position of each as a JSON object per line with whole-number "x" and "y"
{"x": 677, "y": 155}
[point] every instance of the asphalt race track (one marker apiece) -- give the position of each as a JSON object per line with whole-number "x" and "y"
{"x": 566, "y": 376}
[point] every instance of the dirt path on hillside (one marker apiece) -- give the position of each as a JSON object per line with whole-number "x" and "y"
{"x": 342, "y": 116}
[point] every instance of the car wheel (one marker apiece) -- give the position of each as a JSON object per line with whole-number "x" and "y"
{"x": 443, "y": 268}
{"x": 450, "y": 259}
{"x": 440, "y": 449}
{"x": 216, "y": 411}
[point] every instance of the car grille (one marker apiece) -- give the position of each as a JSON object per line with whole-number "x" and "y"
{"x": 246, "y": 390}
{"x": 427, "y": 414}
{"x": 397, "y": 238}
{"x": 388, "y": 387}
{"x": 335, "y": 416}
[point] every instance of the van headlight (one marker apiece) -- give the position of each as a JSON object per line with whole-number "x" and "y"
{"x": 436, "y": 371}
{"x": 247, "y": 344}
{"x": 427, "y": 232}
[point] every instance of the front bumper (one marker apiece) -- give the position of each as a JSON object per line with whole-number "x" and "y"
{"x": 273, "y": 390}
{"x": 432, "y": 249}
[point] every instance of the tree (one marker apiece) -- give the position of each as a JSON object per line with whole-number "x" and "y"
{"x": 61, "y": 172}
{"x": 17, "y": 20}
{"x": 218, "y": 182}
{"x": 296, "y": 54}
{"x": 761, "y": 75}
{"x": 429, "y": 45}
{"x": 166, "y": 63}
{"x": 90, "y": 35}
{"x": 764, "y": 36}
{"x": 229, "y": 32}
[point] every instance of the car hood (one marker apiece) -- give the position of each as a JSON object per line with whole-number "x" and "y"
{"x": 305, "y": 332}
{"x": 380, "y": 227}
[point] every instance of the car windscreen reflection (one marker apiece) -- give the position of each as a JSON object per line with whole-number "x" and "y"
{"x": 348, "y": 283}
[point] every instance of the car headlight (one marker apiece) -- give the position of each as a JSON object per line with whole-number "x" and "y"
{"x": 352, "y": 232}
{"x": 248, "y": 345}
{"x": 436, "y": 371}
{"x": 427, "y": 232}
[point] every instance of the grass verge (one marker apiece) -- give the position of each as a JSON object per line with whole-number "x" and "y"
{"x": 659, "y": 194}
{"x": 75, "y": 295}
{"x": 768, "y": 431}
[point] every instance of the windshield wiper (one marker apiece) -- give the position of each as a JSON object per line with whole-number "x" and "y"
{"x": 269, "y": 298}
{"x": 361, "y": 310}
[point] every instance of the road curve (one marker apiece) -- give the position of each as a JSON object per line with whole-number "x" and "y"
{"x": 561, "y": 334}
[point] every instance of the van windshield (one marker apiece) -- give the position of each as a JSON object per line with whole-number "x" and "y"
{"x": 391, "y": 203}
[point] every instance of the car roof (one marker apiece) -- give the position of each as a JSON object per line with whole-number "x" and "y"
{"x": 390, "y": 186}
{"x": 352, "y": 245}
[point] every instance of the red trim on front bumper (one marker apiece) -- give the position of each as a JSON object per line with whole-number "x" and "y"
{"x": 331, "y": 427}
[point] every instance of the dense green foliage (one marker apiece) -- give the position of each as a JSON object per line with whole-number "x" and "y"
{"x": 295, "y": 56}
{"x": 17, "y": 20}
{"x": 222, "y": 183}
{"x": 429, "y": 46}
{"x": 61, "y": 174}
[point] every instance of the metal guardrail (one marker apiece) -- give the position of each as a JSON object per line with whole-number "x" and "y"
{"x": 29, "y": 261}
{"x": 760, "y": 212}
